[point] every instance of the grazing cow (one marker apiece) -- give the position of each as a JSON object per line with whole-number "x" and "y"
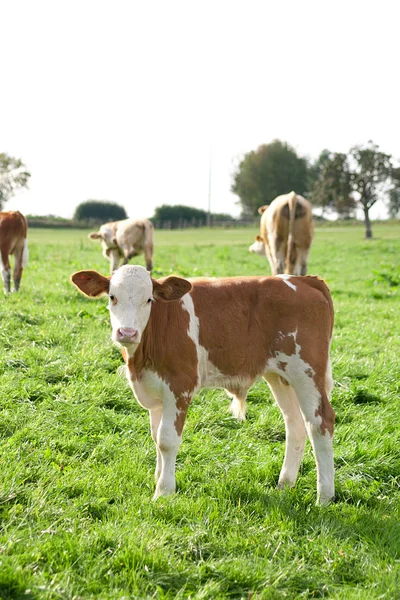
{"x": 279, "y": 328}
{"x": 125, "y": 239}
{"x": 13, "y": 230}
{"x": 286, "y": 230}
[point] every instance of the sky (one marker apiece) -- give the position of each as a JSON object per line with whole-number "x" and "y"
{"x": 133, "y": 101}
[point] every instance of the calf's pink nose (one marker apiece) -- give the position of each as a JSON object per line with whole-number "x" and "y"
{"x": 126, "y": 333}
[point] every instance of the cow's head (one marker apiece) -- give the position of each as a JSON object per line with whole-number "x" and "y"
{"x": 95, "y": 235}
{"x": 258, "y": 247}
{"x": 131, "y": 291}
{"x": 106, "y": 235}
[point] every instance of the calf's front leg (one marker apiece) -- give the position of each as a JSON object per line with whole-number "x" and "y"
{"x": 155, "y": 420}
{"x": 168, "y": 440}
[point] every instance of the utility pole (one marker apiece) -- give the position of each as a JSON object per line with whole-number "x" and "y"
{"x": 209, "y": 191}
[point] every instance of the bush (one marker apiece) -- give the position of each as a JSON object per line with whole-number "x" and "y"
{"x": 101, "y": 211}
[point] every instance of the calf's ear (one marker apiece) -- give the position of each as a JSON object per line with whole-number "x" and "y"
{"x": 91, "y": 283}
{"x": 95, "y": 235}
{"x": 172, "y": 288}
{"x": 262, "y": 209}
{"x": 259, "y": 238}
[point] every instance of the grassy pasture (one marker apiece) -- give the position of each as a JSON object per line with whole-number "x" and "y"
{"x": 77, "y": 459}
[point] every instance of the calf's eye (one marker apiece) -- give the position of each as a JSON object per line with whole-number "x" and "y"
{"x": 149, "y": 300}
{"x": 112, "y": 297}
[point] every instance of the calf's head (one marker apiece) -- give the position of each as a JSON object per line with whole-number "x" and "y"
{"x": 131, "y": 292}
{"x": 258, "y": 246}
{"x": 106, "y": 235}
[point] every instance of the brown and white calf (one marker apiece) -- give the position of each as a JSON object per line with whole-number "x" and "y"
{"x": 125, "y": 239}
{"x": 286, "y": 232}
{"x": 13, "y": 230}
{"x": 279, "y": 328}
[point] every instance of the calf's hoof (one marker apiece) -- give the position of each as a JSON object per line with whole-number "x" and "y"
{"x": 324, "y": 501}
{"x": 163, "y": 491}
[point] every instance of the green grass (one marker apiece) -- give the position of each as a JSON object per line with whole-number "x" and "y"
{"x": 77, "y": 459}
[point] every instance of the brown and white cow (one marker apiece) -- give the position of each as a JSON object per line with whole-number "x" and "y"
{"x": 125, "y": 239}
{"x": 279, "y": 328}
{"x": 13, "y": 230}
{"x": 286, "y": 229}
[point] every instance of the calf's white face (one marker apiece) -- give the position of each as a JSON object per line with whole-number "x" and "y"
{"x": 131, "y": 295}
{"x": 258, "y": 247}
{"x": 131, "y": 291}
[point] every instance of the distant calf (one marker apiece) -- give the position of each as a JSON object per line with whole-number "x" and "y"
{"x": 286, "y": 230}
{"x": 178, "y": 336}
{"x": 13, "y": 230}
{"x": 125, "y": 239}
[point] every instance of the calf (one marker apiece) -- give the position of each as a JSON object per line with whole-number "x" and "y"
{"x": 279, "y": 328}
{"x": 286, "y": 229}
{"x": 13, "y": 230}
{"x": 125, "y": 239}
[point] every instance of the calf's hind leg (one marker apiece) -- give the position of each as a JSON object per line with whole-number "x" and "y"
{"x": 295, "y": 429}
{"x": 18, "y": 267}
{"x": 6, "y": 271}
{"x": 319, "y": 418}
{"x": 148, "y": 254}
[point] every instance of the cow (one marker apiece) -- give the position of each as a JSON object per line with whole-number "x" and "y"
{"x": 125, "y": 239}
{"x": 13, "y": 231}
{"x": 279, "y": 328}
{"x": 286, "y": 229}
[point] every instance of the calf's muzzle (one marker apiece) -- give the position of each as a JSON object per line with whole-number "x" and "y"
{"x": 126, "y": 335}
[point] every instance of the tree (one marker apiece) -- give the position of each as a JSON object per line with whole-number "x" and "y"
{"x": 332, "y": 186}
{"x": 394, "y": 194}
{"x": 370, "y": 174}
{"x": 99, "y": 211}
{"x": 267, "y": 172}
{"x": 13, "y": 176}
{"x": 394, "y": 203}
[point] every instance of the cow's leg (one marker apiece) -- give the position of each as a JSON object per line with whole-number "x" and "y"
{"x": 238, "y": 404}
{"x": 114, "y": 257}
{"x": 6, "y": 270}
{"x": 319, "y": 419}
{"x": 295, "y": 430}
{"x": 271, "y": 264}
{"x": 18, "y": 268}
{"x": 148, "y": 255}
{"x": 128, "y": 253}
{"x": 277, "y": 259}
{"x": 155, "y": 420}
{"x": 169, "y": 438}
{"x": 300, "y": 266}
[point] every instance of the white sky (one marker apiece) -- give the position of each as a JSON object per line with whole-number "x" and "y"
{"x": 123, "y": 100}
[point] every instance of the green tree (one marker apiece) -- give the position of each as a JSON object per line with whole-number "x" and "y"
{"x": 394, "y": 203}
{"x": 371, "y": 171}
{"x": 99, "y": 211}
{"x": 394, "y": 194}
{"x": 267, "y": 172}
{"x": 332, "y": 187}
{"x": 13, "y": 176}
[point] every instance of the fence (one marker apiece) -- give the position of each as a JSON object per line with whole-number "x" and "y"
{"x": 195, "y": 223}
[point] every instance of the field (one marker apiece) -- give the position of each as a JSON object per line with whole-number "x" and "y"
{"x": 77, "y": 459}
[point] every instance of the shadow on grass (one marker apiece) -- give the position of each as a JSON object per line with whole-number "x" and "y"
{"x": 12, "y": 589}
{"x": 361, "y": 396}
